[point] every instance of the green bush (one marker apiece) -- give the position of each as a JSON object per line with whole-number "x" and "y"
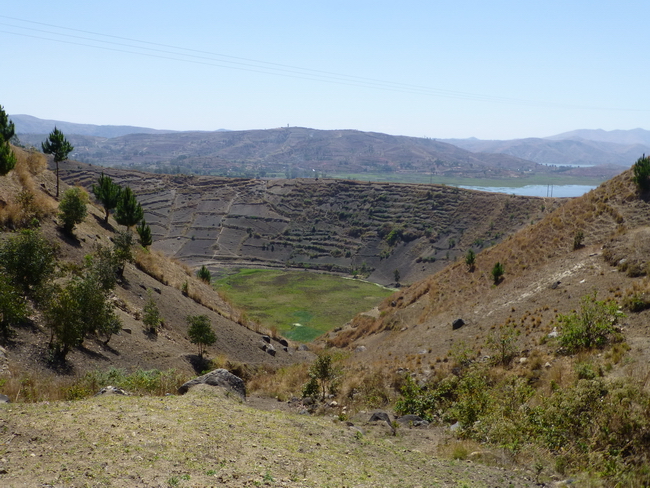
{"x": 497, "y": 273}
{"x": 204, "y": 274}
{"x": 591, "y": 326}
{"x": 72, "y": 208}
{"x": 641, "y": 171}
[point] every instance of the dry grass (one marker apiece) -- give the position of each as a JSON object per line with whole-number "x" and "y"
{"x": 283, "y": 383}
{"x": 22, "y": 201}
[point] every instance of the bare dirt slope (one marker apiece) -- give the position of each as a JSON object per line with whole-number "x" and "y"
{"x": 333, "y": 225}
{"x": 544, "y": 276}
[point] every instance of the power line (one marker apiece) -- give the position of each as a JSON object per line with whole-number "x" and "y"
{"x": 196, "y": 56}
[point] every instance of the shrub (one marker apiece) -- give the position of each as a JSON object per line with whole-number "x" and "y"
{"x": 497, "y": 273}
{"x": 470, "y": 259}
{"x": 151, "y": 315}
{"x": 29, "y": 260}
{"x": 590, "y": 327}
{"x": 13, "y": 308}
{"x": 72, "y": 208}
{"x": 577, "y": 240}
{"x": 204, "y": 274}
{"x": 641, "y": 171}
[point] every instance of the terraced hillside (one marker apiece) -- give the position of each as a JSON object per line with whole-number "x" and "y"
{"x": 388, "y": 232}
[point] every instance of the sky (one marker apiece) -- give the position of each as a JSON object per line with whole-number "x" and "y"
{"x": 502, "y": 69}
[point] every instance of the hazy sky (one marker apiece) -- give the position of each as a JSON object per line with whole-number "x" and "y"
{"x": 498, "y": 69}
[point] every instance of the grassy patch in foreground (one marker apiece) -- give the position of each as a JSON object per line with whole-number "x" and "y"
{"x": 282, "y": 299}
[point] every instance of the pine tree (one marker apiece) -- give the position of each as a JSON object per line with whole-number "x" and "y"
{"x": 57, "y": 145}
{"x": 108, "y": 193}
{"x": 7, "y": 131}
{"x": 144, "y": 231}
{"x": 128, "y": 211}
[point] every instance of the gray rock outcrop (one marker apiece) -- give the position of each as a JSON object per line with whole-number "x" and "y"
{"x": 219, "y": 377}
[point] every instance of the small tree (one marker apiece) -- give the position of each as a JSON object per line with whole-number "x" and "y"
{"x": 322, "y": 374}
{"x": 128, "y": 211}
{"x": 108, "y": 194}
{"x": 497, "y": 273}
{"x": 641, "y": 171}
{"x": 123, "y": 250}
{"x": 29, "y": 261}
{"x": 504, "y": 343}
{"x": 57, "y": 145}
{"x": 470, "y": 259}
{"x": 7, "y": 131}
{"x": 151, "y": 316}
{"x": 204, "y": 274}
{"x": 200, "y": 332}
{"x": 72, "y": 208}
{"x": 396, "y": 275}
{"x": 13, "y": 308}
{"x": 63, "y": 317}
{"x": 144, "y": 231}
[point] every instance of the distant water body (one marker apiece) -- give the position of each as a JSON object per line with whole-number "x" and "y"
{"x": 557, "y": 191}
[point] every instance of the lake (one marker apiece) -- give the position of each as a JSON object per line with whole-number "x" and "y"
{"x": 556, "y": 191}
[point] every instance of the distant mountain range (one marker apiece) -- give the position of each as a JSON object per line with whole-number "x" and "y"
{"x": 303, "y": 151}
{"x": 580, "y": 147}
{"x": 26, "y": 124}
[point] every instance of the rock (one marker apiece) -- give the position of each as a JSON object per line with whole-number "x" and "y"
{"x": 523, "y": 360}
{"x": 219, "y": 377}
{"x": 334, "y": 404}
{"x": 4, "y": 398}
{"x": 303, "y": 347}
{"x": 360, "y": 349}
{"x": 412, "y": 420}
{"x": 455, "y": 427}
{"x": 308, "y": 401}
{"x": 554, "y": 332}
{"x": 266, "y": 339}
{"x": 157, "y": 290}
{"x": 111, "y": 390}
{"x": 555, "y": 285}
{"x": 285, "y": 349}
{"x": 127, "y": 330}
{"x": 382, "y": 416}
{"x": 457, "y": 324}
{"x": 270, "y": 349}
{"x": 4, "y": 361}
{"x": 283, "y": 342}
{"x": 547, "y": 365}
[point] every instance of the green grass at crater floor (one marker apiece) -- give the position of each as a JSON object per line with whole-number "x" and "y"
{"x": 318, "y": 302}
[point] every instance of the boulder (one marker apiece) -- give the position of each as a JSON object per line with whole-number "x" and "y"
{"x": 4, "y": 398}
{"x": 457, "y": 324}
{"x": 266, "y": 339}
{"x": 220, "y": 378}
{"x": 283, "y": 342}
{"x": 303, "y": 347}
{"x": 383, "y": 416}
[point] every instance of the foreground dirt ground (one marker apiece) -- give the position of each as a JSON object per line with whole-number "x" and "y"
{"x": 207, "y": 438}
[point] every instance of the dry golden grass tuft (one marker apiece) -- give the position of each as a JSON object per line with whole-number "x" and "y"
{"x": 283, "y": 383}
{"x": 22, "y": 201}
